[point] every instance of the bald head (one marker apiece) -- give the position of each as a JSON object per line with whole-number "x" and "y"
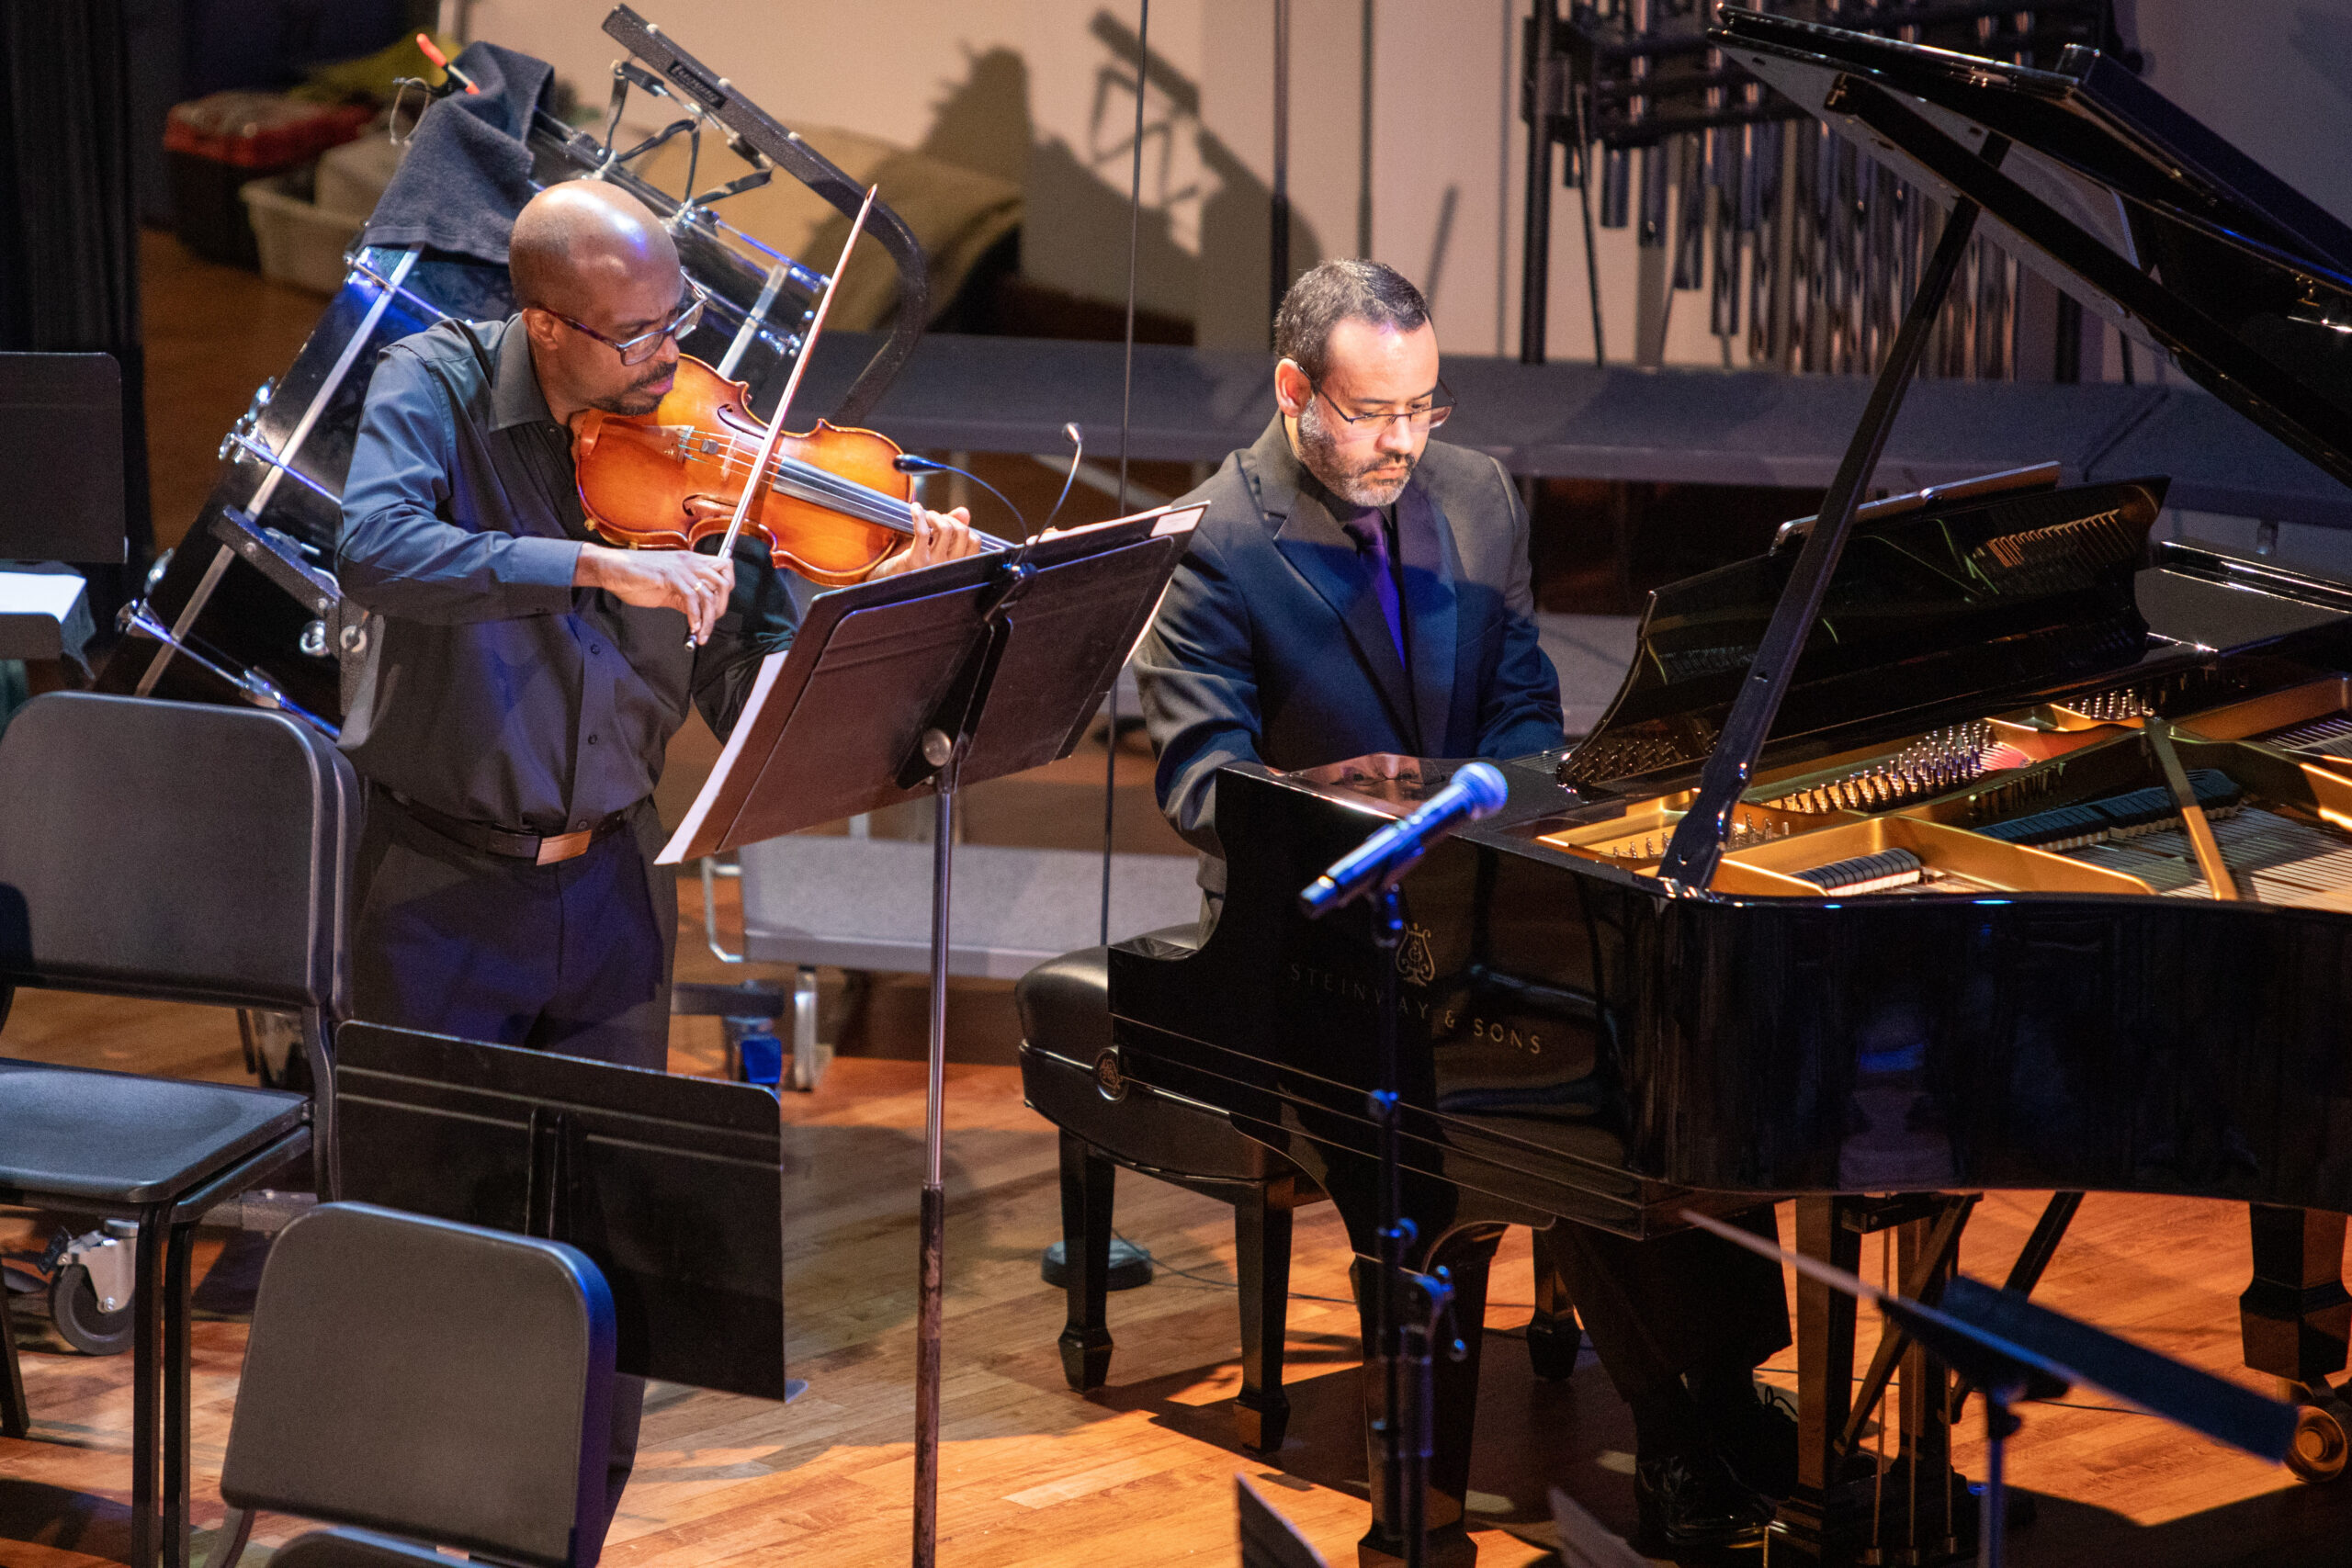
{"x": 584, "y": 243}
{"x": 594, "y": 269}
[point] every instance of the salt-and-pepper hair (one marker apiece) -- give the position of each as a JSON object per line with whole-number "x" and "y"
{"x": 1344, "y": 289}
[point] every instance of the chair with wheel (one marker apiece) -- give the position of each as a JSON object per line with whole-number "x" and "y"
{"x": 188, "y": 853}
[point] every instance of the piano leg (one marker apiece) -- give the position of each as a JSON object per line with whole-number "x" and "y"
{"x": 1821, "y": 1518}
{"x": 1262, "y": 1260}
{"x": 1553, "y": 1335}
{"x": 1087, "y": 1184}
{"x": 2295, "y": 1314}
{"x": 1467, "y": 1253}
{"x": 2294, "y": 1317}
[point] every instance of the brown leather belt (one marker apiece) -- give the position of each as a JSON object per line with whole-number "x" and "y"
{"x": 539, "y": 849}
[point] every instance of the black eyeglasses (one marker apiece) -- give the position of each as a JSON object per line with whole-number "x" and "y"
{"x": 1426, "y": 418}
{"x": 646, "y": 344}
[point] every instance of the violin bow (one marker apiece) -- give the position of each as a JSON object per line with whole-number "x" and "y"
{"x": 757, "y": 484}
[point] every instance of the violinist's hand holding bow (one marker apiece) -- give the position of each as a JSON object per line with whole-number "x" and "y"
{"x": 693, "y": 583}
{"x": 939, "y": 536}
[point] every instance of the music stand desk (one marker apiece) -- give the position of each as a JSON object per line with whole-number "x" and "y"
{"x": 673, "y": 1186}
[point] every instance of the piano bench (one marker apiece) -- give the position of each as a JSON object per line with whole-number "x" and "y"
{"x": 1106, "y": 1123}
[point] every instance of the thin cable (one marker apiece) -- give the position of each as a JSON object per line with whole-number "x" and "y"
{"x": 1363, "y": 146}
{"x": 1126, "y": 414}
{"x": 1502, "y": 183}
{"x": 1278, "y": 271}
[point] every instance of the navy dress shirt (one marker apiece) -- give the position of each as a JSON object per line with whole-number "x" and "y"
{"x": 492, "y": 690}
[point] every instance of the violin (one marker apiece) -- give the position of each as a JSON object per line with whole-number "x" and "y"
{"x": 831, "y": 505}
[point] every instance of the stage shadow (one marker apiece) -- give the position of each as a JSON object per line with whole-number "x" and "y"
{"x": 93, "y": 1524}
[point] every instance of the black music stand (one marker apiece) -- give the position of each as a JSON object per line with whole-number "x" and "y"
{"x": 673, "y": 1186}
{"x": 2012, "y": 1351}
{"x": 62, "y": 471}
{"x": 922, "y": 683}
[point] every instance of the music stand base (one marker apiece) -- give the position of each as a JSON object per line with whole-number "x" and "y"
{"x": 1447, "y": 1546}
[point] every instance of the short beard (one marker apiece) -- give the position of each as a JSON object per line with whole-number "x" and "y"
{"x": 1318, "y": 449}
{"x": 638, "y": 398}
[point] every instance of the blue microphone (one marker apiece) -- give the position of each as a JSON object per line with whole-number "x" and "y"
{"x": 1476, "y": 791}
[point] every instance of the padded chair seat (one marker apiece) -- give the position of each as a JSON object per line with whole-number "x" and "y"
{"x": 118, "y": 1138}
{"x": 1066, "y": 1036}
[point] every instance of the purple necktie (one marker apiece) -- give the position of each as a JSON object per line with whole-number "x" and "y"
{"x": 1372, "y": 548}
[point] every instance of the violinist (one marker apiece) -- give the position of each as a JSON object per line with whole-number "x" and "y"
{"x": 522, "y": 681}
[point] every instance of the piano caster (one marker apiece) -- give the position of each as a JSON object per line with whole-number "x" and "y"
{"x": 2322, "y": 1435}
{"x": 1551, "y": 1346}
{"x": 1553, "y": 1334}
{"x": 1262, "y": 1419}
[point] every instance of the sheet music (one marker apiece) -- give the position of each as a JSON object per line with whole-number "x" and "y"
{"x": 672, "y": 851}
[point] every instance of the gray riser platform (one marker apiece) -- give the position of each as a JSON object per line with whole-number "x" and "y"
{"x": 865, "y": 904}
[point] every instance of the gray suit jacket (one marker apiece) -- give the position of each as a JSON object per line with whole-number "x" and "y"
{"x": 1271, "y": 647}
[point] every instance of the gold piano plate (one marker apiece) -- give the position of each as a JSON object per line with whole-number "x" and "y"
{"x": 2311, "y": 722}
{"x": 1637, "y": 840}
{"x": 1954, "y": 860}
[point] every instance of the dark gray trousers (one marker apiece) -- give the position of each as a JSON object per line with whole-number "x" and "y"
{"x": 573, "y": 957}
{"x": 1675, "y": 1303}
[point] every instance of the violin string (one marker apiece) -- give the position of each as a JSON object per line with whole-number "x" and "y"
{"x": 868, "y": 503}
{"x": 824, "y": 487}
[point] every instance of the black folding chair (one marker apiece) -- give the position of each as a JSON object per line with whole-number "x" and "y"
{"x": 440, "y": 1383}
{"x": 190, "y": 853}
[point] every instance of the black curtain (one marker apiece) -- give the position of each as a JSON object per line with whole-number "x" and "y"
{"x": 69, "y": 223}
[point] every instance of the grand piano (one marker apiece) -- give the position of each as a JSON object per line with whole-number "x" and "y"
{"x": 1964, "y": 840}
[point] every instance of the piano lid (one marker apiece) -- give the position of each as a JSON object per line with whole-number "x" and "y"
{"x": 2114, "y": 193}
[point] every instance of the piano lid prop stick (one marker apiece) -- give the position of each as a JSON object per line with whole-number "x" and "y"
{"x": 2192, "y": 815}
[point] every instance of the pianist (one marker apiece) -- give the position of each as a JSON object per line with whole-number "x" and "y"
{"x": 1355, "y": 588}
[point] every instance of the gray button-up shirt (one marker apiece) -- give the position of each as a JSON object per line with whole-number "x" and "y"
{"x": 493, "y": 690}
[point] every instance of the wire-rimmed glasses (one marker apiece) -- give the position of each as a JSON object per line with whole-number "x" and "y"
{"x": 646, "y": 344}
{"x": 1422, "y": 419}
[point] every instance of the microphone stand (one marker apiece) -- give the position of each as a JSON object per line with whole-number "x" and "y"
{"x": 1406, "y": 1305}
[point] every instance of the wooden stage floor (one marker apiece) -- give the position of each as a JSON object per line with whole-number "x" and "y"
{"x": 1142, "y": 1472}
